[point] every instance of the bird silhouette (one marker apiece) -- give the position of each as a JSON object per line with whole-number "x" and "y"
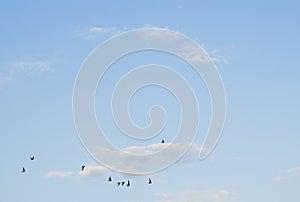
{"x": 23, "y": 170}
{"x": 128, "y": 183}
{"x": 118, "y": 184}
{"x": 163, "y": 141}
{"x": 32, "y": 158}
{"x": 82, "y": 168}
{"x": 109, "y": 179}
{"x": 123, "y": 183}
{"x": 149, "y": 181}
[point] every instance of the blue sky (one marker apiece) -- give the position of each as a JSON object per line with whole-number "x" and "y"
{"x": 255, "y": 46}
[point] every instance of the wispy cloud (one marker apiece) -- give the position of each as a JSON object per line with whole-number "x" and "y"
{"x": 90, "y": 170}
{"x": 215, "y": 195}
{"x": 61, "y": 174}
{"x": 157, "y": 33}
{"x": 296, "y": 169}
{"x": 27, "y": 66}
{"x": 288, "y": 174}
{"x": 131, "y": 164}
{"x": 91, "y": 33}
{"x": 192, "y": 54}
{"x": 217, "y": 56}
{"x": 34, "y": 65}
{"x": 279, "y": 178}
{"x": 189, "y": 51}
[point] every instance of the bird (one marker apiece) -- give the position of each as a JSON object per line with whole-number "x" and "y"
{"x": 82, "y": 168}
{"x": 163, "y": 141}
{"x": 23, "y": 170}
{"x": 32, "y": 158}
{"x": 149, "y": 181}
{"x": 128, "y": 183}
{"x": 123, "y": 183}
{"x": 109, "y": 179}
{"x": 118, "y": 184}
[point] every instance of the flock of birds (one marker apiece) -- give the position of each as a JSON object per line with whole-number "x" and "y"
{"x": 31, "y": 158}
{"x": 122, "y": 183}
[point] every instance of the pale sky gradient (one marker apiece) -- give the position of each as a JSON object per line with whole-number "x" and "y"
{"x": 256, "y": 48}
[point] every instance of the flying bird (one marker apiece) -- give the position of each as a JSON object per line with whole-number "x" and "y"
{"x": 23, "y": 170}
{"x": 163, "y": 141}
{"x": 128, "y": 183}
{"x": 109, "y": 179}
{"x": 32, "y": 158}
{"x": 149, "y": 181}
{"x": 82, "y": 168}
{"x": 123, "y": 183}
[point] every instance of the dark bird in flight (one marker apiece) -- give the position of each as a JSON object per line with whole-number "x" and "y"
{"x": 82, "y": 168}
{"x": 23, "y": 170}
{"x": 109, "y": 179}
{"x": 118, "y": 184}
{"x": 149, "y": 181}
{"x": 32, "y": 158}
{"x": 123, "y": 183}
{"x": 163, "y": 141}
{"x": 128, "y": 183}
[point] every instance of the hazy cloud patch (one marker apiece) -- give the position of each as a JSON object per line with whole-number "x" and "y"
{"x": 90, "y": 33}
{"x": 215, "y": 195}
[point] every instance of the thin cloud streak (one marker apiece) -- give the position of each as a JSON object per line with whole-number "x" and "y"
{"x": 296, "y": 169}
{"x": 34, "y": 66}
{"x": 279, "y": 178}
{"x": 90, "y": 170}
{"x": 91, "y": 33}
{"x": 214, "y": 195}
{"x": 131, "y": 164}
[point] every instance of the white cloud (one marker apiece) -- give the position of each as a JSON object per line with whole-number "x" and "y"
{"x": 157, "y": 33}
{"x": 34, "y": 66}
{"x": 296, "y": 169}
{"x": 94, "y": 170}
{"x": 131, "y": 164}
{"x": 100, "y": 30}
{"x": 192, "y": 53}
{"x": 60, "y": 174}
{"x": 216, "y": 195}
{"x": 279, "y": 178}
{"x": 92, "y": 32}
{"x": 288, "y": 174}
{"x": 217, "y": 56}
{"x": 27, "y": 66}
{"x": 90, "y": 170}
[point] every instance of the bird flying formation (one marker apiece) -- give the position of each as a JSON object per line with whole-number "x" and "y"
{"x": 23, "y": 168}
{"x": 122, "y": 183}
